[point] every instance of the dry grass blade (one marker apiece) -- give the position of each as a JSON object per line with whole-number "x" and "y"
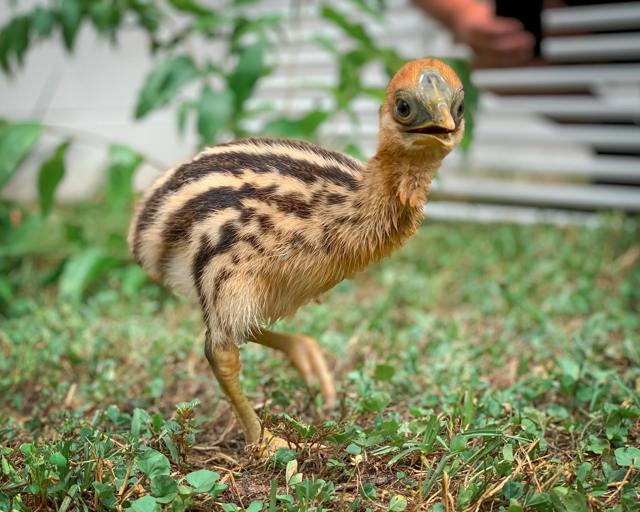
{"x": 624, "y": 481}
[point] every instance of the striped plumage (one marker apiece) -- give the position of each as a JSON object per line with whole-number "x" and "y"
{"x": 255, "y": 228}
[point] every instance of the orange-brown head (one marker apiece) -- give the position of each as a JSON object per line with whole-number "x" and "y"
{"x": 424, "y": 107}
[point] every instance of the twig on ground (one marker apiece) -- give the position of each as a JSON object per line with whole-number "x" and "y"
{"x": 126, "y": 477}
{"x": 624, "y": 481}
{"x": 223, "y": 456}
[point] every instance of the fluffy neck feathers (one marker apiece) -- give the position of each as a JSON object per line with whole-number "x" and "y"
{"x": 390, "y": 202}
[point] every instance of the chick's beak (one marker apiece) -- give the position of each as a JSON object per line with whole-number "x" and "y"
{"x": 444, "y": 119}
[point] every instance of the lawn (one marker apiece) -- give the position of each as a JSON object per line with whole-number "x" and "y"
{"x": 490, "y": 367}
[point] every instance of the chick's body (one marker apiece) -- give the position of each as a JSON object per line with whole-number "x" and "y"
{"x": 256, "y": 228}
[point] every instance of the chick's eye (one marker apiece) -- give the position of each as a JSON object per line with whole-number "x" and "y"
{"x": 402, "y": 107}
{"x": 460, "y": 109}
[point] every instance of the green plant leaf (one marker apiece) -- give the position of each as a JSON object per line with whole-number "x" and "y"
{"x": 190, "y": 6}
{"x": 51, "y": 173}
{"x": 512, "y": 490}
{"x": 292, "y": 467}
{"x": 132, "y": 282}
{"x": 575, "y": 502}
{"x": 14, "y": 38}
{"x": 368, "y": 492}
{"x": 458, "y": 444}
{"x": 327, "y": 44}
{"x": 355, "y": 30}
{"x": 164, "y": 486}
{"x": 376, "y": 11}
{"x": 353, "y": 449}
{"x": 255, "y": 506}
{"x": 397, "y": 503}
{"x": 122, "y": 166}
{"x": 247, "y": 72}
{"x": 57, "y": 459}
{"x": 42, "y": 21}
{"x": 104, "y": 17}
{"x": 5, "y": 503}
{"x": 625, "y": 457}
{"x": 384, "y": 372}
{"x": 16, "y": 140}
{"x": 597, "y": 445}
{"x": 217, "y": 490}
{"x": 203, "y": 480}
{"x": 302, "y": 128}
{"x": 70, "y": 18}
{"x": 163, "y": 83}
{"x": 539, "y": 499}
{"x": 583, "y": 471}
{"x": 83, "y": 268}
{"x": 4, "y": 50}
{"x": 145, "y": 504}
{"x": 149, "y": 15}
{"x": 153, "y": 463}
{"x": 208, "y": 22}
{"x": 376, "y": 402}
{"x": 183, "y": 112}
{"x": 214, "y": 110}
{"x": 104, "y": 491}
{"x": 507, "y": 452}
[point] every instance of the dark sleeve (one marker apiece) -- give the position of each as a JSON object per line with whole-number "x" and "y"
{"x": 528, "y": 12}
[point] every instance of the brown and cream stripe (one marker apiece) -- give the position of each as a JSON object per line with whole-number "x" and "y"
{"x": 242, "y": 213}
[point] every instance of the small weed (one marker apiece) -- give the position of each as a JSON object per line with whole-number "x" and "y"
{"x": 479, "y": 368}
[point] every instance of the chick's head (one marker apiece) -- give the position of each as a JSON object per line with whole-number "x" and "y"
{"x": 424, "y": 108}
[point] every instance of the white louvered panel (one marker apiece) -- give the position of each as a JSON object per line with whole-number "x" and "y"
{"x": 514, "y": 138}
{"x": 511, "y": 136}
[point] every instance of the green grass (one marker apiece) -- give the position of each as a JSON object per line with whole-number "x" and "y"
{"x": 481, "y": 367}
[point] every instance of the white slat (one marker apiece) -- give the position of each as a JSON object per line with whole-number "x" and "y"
{"x": 574, "y": 196}
{"x": 556, "y": 78}
{"x": 620, "y": 16}
{"x": 614, "y": 138}
{"x": 591, "y": 48}
{"x": 485, "y": 159}
{"x": 491, "y": 213}
{"x": 587, "y": 108}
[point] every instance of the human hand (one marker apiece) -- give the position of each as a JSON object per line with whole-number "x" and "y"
{"x": 497, "y": 41}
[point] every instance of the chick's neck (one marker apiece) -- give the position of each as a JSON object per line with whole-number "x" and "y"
{"x": 393, "y": 192}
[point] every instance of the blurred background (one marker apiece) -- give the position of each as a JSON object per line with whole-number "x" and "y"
{"x": 524, "y": 340}
{"x": 558, "y": 130}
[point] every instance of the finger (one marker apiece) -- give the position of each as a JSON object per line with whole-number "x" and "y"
{"x": 499, "y": 26}
{"x": 486, "y": 59}
{"x": 521, "y": 41}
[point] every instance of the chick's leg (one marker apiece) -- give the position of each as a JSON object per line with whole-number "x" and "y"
{"x": 304, "y": 354}
{"x": 225, "y": 363}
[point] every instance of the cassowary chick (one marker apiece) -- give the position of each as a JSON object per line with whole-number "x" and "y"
{"x": 256, "y": 228}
